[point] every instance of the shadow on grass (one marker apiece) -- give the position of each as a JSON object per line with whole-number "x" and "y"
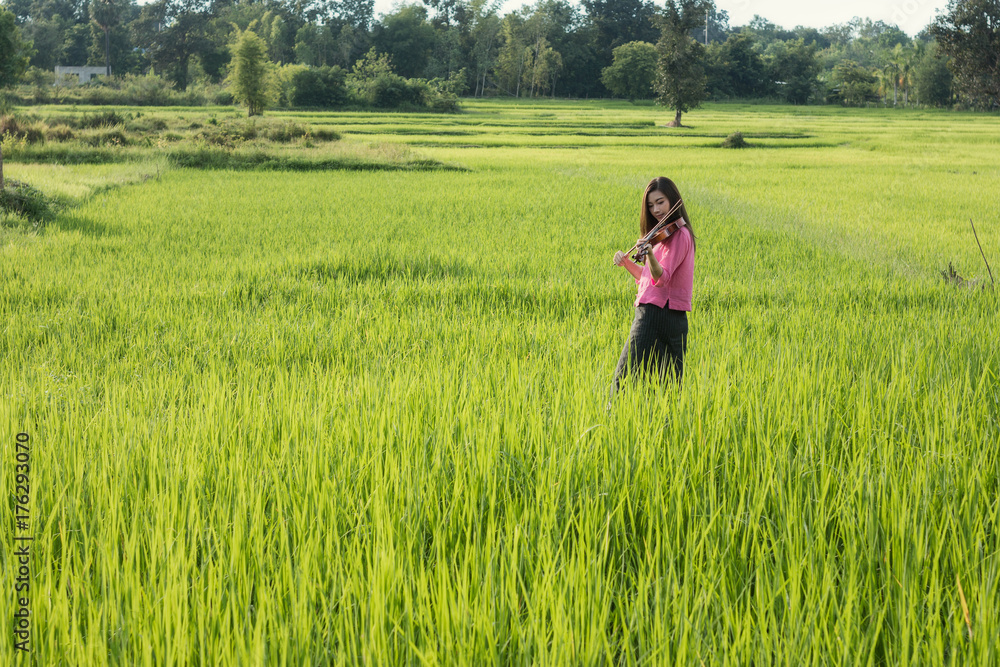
{"x": 221, "y": 158}
{"x": 373, "y": 269}
{"x": 70, "y": 220}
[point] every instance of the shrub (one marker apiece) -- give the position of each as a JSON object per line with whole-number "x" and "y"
{"x": 229, "y": 133}
{"x": 114, "y": 136}
{"x": 391, "y": 90}
{"x": 284, "y": 132}
{"x": 147, "y": 90}
{"x": 324, "y": 87}
{"x": 102, "y": 119}
{"x": 735, "y": 140}
{"x": 22, "y": 199}
{"x": 59, "y": 132}
{"x": 31, "y": 133}
{"x": 223, "y": 97}
{"x": 445, "y": 102}
{"x": 323, "y": 134}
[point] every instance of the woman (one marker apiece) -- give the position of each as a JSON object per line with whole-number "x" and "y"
{"x": 658, "y": 338}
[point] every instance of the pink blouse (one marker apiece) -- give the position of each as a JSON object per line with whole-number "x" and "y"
{"x": 673, "y": 290}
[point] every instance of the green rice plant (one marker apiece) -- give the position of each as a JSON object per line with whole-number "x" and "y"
{"x": 334, "y": 417}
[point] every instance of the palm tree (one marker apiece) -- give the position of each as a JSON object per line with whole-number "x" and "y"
{"x": 106, "y": 14}
{"x": 896, "y": 62}
{"x": 906, "y": 74}
{"x": 883, "y": 76}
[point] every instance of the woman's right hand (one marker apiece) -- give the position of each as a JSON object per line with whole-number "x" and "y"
{"x": 620, "y": 258}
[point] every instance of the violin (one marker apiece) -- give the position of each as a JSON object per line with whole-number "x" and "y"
{"x": 657, "y": 235}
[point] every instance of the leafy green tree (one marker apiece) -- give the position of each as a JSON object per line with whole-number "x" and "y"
{"x": 794, "y": 68}
{"x": 969, "y": 33}
{"x": 632, "y": 72}
{"x": 680, "y": 81}
{"x": 106, "y": 15}
{"x": 408, "y": 38}
{"x": 14, "y": 56}
{"x": 575, "y": 39}
{"x": 485, "y": 37}
{"x": 447, "y": 56}
{"x": 513, "y": 52}
{"x": 620, "y": 21}
{"x": 46, "y": 34}
{"x": 319, "y": 87}
{"x": 933, "y": 78}
{"x": 15, "y": 52}
{"x": 173, "y": 32}
{"x": 765, "y": 32}
{"x": 248, "y": 75}
{"x": 542, "y": 63}
{"x": 743, "y": 68}
{"x": 355, "y": 13}
{"x": 542, "y": 67}
{"x": 75, "y": 45}
{"x": 855, "y": 85}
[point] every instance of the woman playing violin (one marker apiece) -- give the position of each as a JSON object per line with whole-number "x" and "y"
{"x": 664, "y": 279}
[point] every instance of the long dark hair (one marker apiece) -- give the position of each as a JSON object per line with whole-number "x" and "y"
{"x": 667, "y": 187}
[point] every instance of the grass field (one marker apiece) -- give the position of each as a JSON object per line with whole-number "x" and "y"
{"x": 360, "y": 415}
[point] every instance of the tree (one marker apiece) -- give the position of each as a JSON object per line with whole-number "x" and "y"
{"x": 617, "y": 22}
{"x": 46, "y": 36}
{"x": 621, "y": 21}
{"x": 680, "y": 81}
{"x": 319, "y": 87}
{"x": 14, "y": 56}
{"x": 906, "y": 70}
{"x": 106, "y": 14}
{"x": 632, "y": 72}
{"x": 173, "y": 31}
{"x": 742, "y": 66}
{"x": 510, "y": 60}
{"x": 15, "y": 52}
{"x": 485, "y": 36}
{"x": 355, "y": 13}
{"x": 542, "y": 62}
{"x": 969, "y": 33}
{"x": 855, "y": 84}
{"x": 408, "y": 39}
{"x": 249, "y": 72}
{"x": 795, "y": 69}
{"x": 933, "y": 78}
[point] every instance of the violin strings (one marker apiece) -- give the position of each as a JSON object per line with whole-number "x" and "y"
{"x": 658, "y": 225}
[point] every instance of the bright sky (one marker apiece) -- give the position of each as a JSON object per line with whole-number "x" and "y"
{"x": 910, "y": 15}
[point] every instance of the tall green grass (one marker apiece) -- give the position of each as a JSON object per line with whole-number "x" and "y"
{"x": 296, "y": 418}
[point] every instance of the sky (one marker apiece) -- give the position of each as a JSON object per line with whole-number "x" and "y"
{"x": 911, "y": 16}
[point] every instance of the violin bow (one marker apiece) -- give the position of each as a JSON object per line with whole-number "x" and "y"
{"x": 656, "y": 228}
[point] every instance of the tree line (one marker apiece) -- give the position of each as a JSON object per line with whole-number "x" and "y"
{"x": 680, "y": 52}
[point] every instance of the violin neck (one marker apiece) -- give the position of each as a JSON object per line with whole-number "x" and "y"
{"x": 663, "y": 222}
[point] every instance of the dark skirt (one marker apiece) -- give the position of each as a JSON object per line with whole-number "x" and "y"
{"x": 655, "y": 345}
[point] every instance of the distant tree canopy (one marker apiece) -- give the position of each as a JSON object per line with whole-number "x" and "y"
{"x": 545, "y": 47}
{"x": 969, "y": 34}
{"x": 632, "y": 72}
{"x": 15, "y": 52}
{"x": 855, "y": 84}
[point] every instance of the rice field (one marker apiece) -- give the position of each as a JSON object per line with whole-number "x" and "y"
{"x": 361, "y": 416}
